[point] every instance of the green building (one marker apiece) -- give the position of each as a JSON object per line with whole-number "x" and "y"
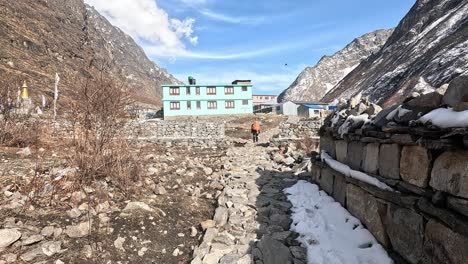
{"x": 202, "y": 100}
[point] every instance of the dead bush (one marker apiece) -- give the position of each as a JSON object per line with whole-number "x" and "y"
{"x": 308, "y": 144}
{"x": 97, "y": 112}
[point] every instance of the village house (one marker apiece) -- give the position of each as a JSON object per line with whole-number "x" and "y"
{"x": 302, "y": 109}
{"x": 205, "y": 99}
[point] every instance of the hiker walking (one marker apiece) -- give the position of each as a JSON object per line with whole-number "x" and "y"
{"x": 255, "y": 130}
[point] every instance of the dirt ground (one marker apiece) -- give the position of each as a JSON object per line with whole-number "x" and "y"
{"x": 149, "y": 236}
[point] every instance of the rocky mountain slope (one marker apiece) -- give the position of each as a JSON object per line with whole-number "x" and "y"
{"x": 314, "y": 82}
{"x": 427, "y": 49}
{"x": 44, "y": 37}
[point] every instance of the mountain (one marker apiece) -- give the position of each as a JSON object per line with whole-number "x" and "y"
{"x": 42, "y": 37}
{"x": 314, "y": 82}
{"x": 427, "y": 49}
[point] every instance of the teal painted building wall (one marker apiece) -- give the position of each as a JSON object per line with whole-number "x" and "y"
{"x": 230, "y": 100}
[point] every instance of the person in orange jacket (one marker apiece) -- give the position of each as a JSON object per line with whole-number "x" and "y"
{"x": 255, "y": 129}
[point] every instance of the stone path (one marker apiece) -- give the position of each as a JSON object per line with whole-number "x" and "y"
{"x": 251, "y": 224}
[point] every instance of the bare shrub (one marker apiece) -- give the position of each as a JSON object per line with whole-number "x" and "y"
{"x": 97, "y": 112}
{"x": 308, "y": 144}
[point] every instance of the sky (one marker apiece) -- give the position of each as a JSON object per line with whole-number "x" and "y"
{"x": 267, "y": 41}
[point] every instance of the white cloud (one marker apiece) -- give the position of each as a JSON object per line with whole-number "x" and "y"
{"x": 232, "y": 19}
{"x": 147, "y": 23}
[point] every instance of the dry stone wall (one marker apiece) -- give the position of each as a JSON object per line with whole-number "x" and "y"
{"x": 425, "y": 220}
{"x": 299, "y": 129}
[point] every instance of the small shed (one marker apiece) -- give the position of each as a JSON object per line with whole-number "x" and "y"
{"x": 310, "y": 110}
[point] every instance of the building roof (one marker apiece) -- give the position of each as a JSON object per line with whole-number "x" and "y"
{"x": 242, "y": 82}
{"x": 313, "y": 106}
{"x": 309, "y": 102}
{"x": 203, "y": 85}
{"x": 264, "y": 95}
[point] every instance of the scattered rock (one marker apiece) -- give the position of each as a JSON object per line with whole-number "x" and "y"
{"x": 51, "y": 248}
{"x": 80, "y": 230}
{"x": 137, "y": 206}
{"x": 32, "y": 239}
{"x": 274, "y": 252}
{"x": 118, "y": 243}
{"x": 8, "y": 237}
{"x": 207, "y": 224}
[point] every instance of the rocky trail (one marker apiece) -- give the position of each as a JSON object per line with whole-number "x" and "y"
{"x": 252, "y": 221}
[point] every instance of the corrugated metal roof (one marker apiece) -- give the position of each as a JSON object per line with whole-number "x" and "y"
{"x": 314, "y": 106}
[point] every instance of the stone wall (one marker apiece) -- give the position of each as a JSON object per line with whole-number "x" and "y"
{"x": 426, "y": 219}
{"x": 298, "y": 129}
{"x": 174, "y": 129}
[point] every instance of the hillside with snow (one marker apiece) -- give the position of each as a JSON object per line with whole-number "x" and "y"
{"x": 314, "y": 82}
{"x": 427, "y": 49}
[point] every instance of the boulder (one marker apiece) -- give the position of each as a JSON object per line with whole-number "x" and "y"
{"x": 425, "y": 103}
{"x": 339, "y": 188}
{"x": 371, "y": 212}
{"x": 450, "y": 173}
{"x": 328, "y": 144}
{"x": 355, "y": 154}
{"x": 415, "y": 165}
{"x": 370, "y": 161}
{"x": 380, "y": 119}
{"x": 274, "y": 252}
{"x": 8, "y": 237}
{"x": 442, "y": 245}
{"x": 327, "y": 179}
{"x": 341, "y": 147}
{"x": 456, "y": 90}
{"x": 459, "y": 205}
{"x": 405, "y": 228}
{"x": 389, "y": 161}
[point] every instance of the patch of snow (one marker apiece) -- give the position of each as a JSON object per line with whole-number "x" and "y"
{"x": 336, "y": 117}
{"x": 328, "y": 231}
{"x": 423, "y": 87}
{"x": 350, "y": 120}
{"x": 329, "y": 86}
{"x": 347, "y": 70}
{"x": 347, "y": 171}
{"x": 446, "y": 118}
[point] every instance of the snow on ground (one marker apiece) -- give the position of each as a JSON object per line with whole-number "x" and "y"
{"x": 446, "y": 118}
{"x": 328, "y": 231}
{"x": 348, "y": 172}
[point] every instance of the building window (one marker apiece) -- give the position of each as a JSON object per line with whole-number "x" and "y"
{"x": 228, "y": 90}
{"x": 245, "y": 102}
{"x": 198, "y": 105}
{"x": 212, "y": 105}
{"x": 229, "y": 104}
{"x": 174, "y": 91}
{"x": 244, "y": 88}
{"x": 189, "y": 105}
{"x": 211, "y": 90}
{"x": 188, "y": 90}
{"x": 316, "y": 112}
{"x": 197, "y": 90}
{"x": 175, "y": 105}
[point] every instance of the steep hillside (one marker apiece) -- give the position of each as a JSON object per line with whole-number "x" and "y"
{"x": 39, "y": 38}
{"x": 314, "y": 82}
{"x": 428, "y": 49}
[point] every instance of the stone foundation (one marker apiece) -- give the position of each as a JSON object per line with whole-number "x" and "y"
{"x": 426, "y": 219}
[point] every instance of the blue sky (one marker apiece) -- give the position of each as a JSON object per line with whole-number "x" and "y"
{"x": 217, "y": 41}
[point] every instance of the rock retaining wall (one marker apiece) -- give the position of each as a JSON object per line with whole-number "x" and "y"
{"x": 426, "y": 219}
{"x": 174, "y": 129}
{"x": 300, "y": 129}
